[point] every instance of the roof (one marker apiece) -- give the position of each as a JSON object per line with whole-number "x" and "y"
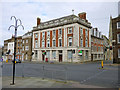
{"x": 62, "y": 21}
{"x": 96, "y": 37}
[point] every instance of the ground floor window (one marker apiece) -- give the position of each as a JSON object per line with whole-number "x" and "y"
{"x": 54, "y": 54}
{"x": 69, "y": 54}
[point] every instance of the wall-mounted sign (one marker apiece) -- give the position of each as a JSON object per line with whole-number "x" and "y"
{"x": 79, "y": 52}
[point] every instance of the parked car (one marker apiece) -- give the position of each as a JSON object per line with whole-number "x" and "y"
{"x": 17, "y": 61}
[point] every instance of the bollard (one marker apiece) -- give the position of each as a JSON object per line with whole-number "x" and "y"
{"x": 102, "y": 63}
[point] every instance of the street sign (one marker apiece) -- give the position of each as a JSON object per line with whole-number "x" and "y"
{"x": 80, "y": 52}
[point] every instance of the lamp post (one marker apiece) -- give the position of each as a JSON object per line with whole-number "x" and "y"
{"x": 15, "y": 26}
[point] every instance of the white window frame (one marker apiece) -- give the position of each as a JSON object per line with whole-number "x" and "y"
{"x": 43, "y": 34}
{"x": 119, "y": 53}
{"x": 69, "y": 42}
{"x": 48, "y": 42}
{"x": 48, "y": 33}
{"x": 43, "y": 43}
{"x": 59, "y": 42}
{"x": 26, "y": 47}
{"x": 60, "y": 30}
{"x": 26, "y": 41}
{"x": 118, "y": 41}
{"x": 54, "y": 54}
{"x": 81, "y": 31}
{"x": 70, "y": 29}
{"x": 36, "y": 43}
{"x": 86, "y": 43}
{"x": 81, "y": 42}
{"x": 54, "y": 32}
{"x": 36, "y": 35}
{"x": 55, "y": 43}
{"x": 117, "y": 25}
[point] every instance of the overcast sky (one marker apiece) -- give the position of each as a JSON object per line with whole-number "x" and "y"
{"x": 98, "y": 14}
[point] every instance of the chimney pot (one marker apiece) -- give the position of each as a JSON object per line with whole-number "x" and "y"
{"x": 82, "y": 15}
{"x": 38, "y": 21}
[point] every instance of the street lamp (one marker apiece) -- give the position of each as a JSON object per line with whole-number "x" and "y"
{"x": 15, "y": 26}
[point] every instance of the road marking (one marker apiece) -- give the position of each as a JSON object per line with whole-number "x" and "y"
{"x": 93, "y": 76}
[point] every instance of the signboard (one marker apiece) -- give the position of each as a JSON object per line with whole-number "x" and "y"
{"x": 79, "y": 52}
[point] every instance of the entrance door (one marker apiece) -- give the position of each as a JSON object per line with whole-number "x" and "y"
{"x": 43, "y": 56}
{"x": 60, "y": 57}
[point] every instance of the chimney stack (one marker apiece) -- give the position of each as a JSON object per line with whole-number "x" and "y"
{"x": 38, "y": 21}
{"x": 82, "y": 15}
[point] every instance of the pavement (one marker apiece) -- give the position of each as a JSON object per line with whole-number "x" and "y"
{"x": 35, "y": 82}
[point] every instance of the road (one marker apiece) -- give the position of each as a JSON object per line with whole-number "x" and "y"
{"x": 85, "y": 73}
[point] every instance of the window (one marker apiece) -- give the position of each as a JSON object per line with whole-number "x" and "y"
{"x": 54, "y": 43}
{"x": 81, "y": 43}
{"x": 86, "y": 32}
{"x": 81, "y": 31}
{"x": 43, "y": 34}
{"x": 101, "y": 48}
{"x": 36, "y": 54}
{"x": 36, "y": 44}
{"x": 70, "y": 30}
{"x": 36, "y": 35}
{"x": 118, "y": 25}
{"x": 23, "y": 41}
{"x": 69, "y": 54}
{"x": 26, "y": 41}
{"x": 48, "y": 43}
{"x": 118, "y": 38}
{"x": 54, "y": 33}
{"x": 26, "y": 48}
{"x": 54, "y": 54}
{"x": 118, "y": 53}
{"x": 60, "y": 31}
{"x": 23, "y": 48}
{"x": 43, "y": 44}
{"x": 18, "y": 44}
{"x": 86, "y": 43}
{"x": 60, "y": 42}
{"x": 70, "y": 41}
{"x": 48, "y": 33}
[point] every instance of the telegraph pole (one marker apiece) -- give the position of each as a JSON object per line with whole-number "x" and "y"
{"x": 15, "y": 38}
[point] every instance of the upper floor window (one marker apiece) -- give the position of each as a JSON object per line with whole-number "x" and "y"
{"x": 70, "y": 30}
{"x": 23, "y": 48}
{"x": 54, "y": 43}
{"x": 70, "y": 41}
{"x": 118, "y": 53}
{"x": 36, "y": 35}
{"x": 26, "y": 48}
{"x": 60, "y": 31}
{"x": 36, "y": 44}
{"x": 23, "y": 41}
{"x": 86, "y": 43}
{"x": 118, "y": 38}
{"x": 43, "y": 44}
{"x": 43, "y": 34}
{"x": 54, "y": 33}
{"x": 48, "y": 33}
{"x": 48, "y": 43}
{"x": 86, "y": 32}
{"x": 81, "y": 43}
{"x": 26, "y": 41}
{"x": 81, "y": 31}
{"x": 118, "y": 25}
{"x": 60, "y": 42}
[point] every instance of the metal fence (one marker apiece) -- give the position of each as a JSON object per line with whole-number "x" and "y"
{"x": 42, "y": 71}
